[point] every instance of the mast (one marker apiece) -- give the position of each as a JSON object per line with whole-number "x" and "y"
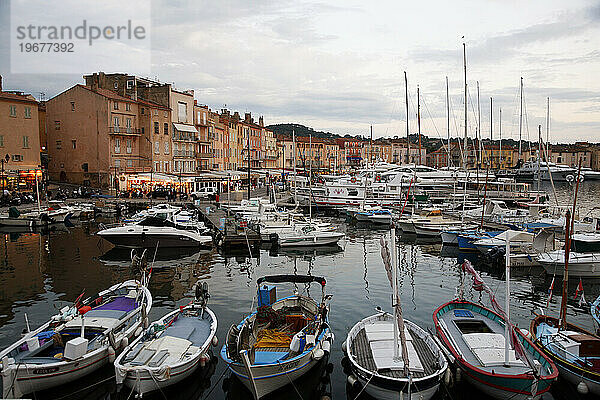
{"x": 479, "y": 133}
{"x": 448, "y": 118}
{"x": 407, "y": 129}
{"x": 371, "y": 147}
{"x": 465, "y": 145}
{"x": 547, "y": 129}
{"x": 395, "y": 292}
{"x": 249, "y": 157}
{"x": 419, "y": 122}
{"x": 500, "y": 135}
{"x": 507, "y": 303}
{"x": 310, "y": 179}
{"x": 491, "y": 160}
{"x": 295, "y": 175}
{"x": 521, "y": 120}
{"x": 539, "y": 172}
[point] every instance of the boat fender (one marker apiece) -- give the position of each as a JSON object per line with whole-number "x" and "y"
{"x": 138, "y": 331}
{"x": 344, "y": 347}
{"x": 215, "y": 341}
{"x": 203, "y": 359}
{"x": 525, "y": 333}
{"x": 353, "y": 382}
{"x": 318, "y": 354}
{"x": 124, "y": 342}
{"x": 111, "y": 354}
{"x": 582, "y": 388}
{"x": 448, "y": 377}
{"x": 326, "y": 346}
{"x": 458, "y": 375}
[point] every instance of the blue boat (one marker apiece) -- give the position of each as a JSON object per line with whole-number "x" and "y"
{"x": 466, "y": 240}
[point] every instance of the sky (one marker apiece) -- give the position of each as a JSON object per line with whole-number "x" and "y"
{"x": 339, "y": 66}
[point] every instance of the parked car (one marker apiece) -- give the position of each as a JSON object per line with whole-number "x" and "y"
{"x": 208, "y": 192}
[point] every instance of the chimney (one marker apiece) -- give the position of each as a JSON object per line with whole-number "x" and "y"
{"x": 94, "y": 85}
{"x": 261, "y": 121}
{"x": 236, "y": 116}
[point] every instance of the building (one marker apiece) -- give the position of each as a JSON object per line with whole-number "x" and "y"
{"x": 19, "y": 140}
{"x": 401, "y": 154}
{"x": 94, "y": 134}
{"x": 352, "y": 150}
{"x": 570, "y": 154}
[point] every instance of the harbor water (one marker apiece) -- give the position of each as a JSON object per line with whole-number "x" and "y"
{"x": 41, "y": 272}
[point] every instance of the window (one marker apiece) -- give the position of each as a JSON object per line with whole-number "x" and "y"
{"x": 156, "y": 128}
{"x": 72, "y": 106}
{"x": 58, "y": 144}
{"x": 74, "y": 143}
{"x": 129, "y": 146}
{"x": 1, "y": 140}
{"x": 17, "y": 157}
{"x": 27, "y": 112}
{"x": 128, "y": 125}
{"x": 117, "y": 163}
{"x": 166, "y": 147}
{"x": 156, "y": 147}
{"x": 130, "y": 163}
{"x": 115, "y": 105}
{"x": 116, "y": 124}
{"x": 166, "y": 128}
{"x": 143, "y": 130}
{"x": 25, "y": 142}
{"x": 182, "y": 112}
{"x": 57, "y": 125}
{"x": 130, "y": 84}
{"x": 143, "y": 111}
{"x": 13, "y": 111}
{"x": 117, "y": 145}
{"x": 166, "y": 113}
{"x": 166, "y": 166}
{"x": 127, "y": 107}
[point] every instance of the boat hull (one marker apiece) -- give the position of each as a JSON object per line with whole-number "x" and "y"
{"x": 151, "y": 241}
{"x": 309, "y": 240}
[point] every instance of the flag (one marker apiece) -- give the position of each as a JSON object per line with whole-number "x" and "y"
{"x": 550, "y": 293}
{"x": 579, "y": 289}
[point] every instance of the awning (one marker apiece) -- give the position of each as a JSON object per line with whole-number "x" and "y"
{"x": 185, "y": 128}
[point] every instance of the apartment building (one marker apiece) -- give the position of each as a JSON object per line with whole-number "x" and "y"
{"x": 19, "y": 139}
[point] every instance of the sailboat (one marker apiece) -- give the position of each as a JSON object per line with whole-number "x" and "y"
{"x": 575, "y": 350}
{"x": 390, "y": 356}
{"x": 494, "y": 356}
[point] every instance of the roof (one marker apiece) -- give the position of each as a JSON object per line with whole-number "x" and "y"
{"x": 107, "y": 93}
{"x": 26, "y": 98}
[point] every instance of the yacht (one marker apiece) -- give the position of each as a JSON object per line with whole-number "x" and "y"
{"x": 154, "y": 231}
{"x": 559, "y": 172}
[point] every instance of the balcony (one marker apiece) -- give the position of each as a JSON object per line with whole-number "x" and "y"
{"x": 120, "y": 130}
{"x": 204, "y": 155}
{"x": 184, "y": 153}
{"x": 182, "y": 137}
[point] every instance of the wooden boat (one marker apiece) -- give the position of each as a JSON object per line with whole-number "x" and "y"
{"x": 281, "y": 340}
{"x": 391, "y": 357}
{"x": 76, "y": 342}
{"x": 171, "y": 349}
{"x": 494, "y": 356}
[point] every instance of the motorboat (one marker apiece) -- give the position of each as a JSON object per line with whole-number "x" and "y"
{"x": 391, "y": 357}
{"x": 79, "y": 340}
{"x": 585, "y": 265}
{"x": 282, "y": 339}
{"x": 153, "y": 231}
{"x": 171, "y": 349}
{"x": 518, "y": 240}
{"x": 308, "y": 236}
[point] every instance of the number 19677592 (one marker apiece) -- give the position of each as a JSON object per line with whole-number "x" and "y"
{"x": 48, "y": 47}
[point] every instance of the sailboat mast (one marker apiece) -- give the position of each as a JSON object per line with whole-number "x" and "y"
{"x": 479, "y": 133}
{"x": 548, "y": 128}
{"x": 539, "y": 172}
{"x": 448, "y": 118}
{"x": 507, "y": 303}
{"x": 521, "y": 120}
{"x": 465, "y": 144}
{"x": 419, "y": 122}
{"x": 407, "y": 129}
{"x": 491, "y": 160}
{"x": 500, "y": 136}
{"x": 395, "y": 292}
{"x": 295, "y": 175}
{"x": 310, "y": 179}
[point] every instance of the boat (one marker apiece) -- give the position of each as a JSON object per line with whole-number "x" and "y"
{"x": 389, "y": 356}
{"x": 585, "y": 265}
{"x": 171, "y": 349}
{"x": 282, "y": 339}
{"x": 433, "y": 228}
{"x": 586, "y": 242}
{"x": 152, "y": 231}
{"x": 467, "y": 239}
{"x": 374, "y": 215}
{"x": 518, "y": 240}
{"x": 78, "y": 341}
{"x": 308, "y": 236}
{"x": 450, "y": 236}
{"x": 492, "y": 354}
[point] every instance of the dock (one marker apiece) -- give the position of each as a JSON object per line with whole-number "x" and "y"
{"x": 228, "y": 232}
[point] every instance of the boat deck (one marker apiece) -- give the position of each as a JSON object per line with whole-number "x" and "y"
{"x": 364, "y": 356}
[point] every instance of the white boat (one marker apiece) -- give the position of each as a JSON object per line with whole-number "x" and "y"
{"x": 450, "y": 236}
{"x": 171, "y": 349}
{"x": 518, "y": 240}
{"x": 308, "y": 236}
{"x": 154, "y": 231}
{"x": 76, "y": 342}
{"x": 589, "y": 174}
{"x": 258, "y": 350}
{"x": 434, "y": 227}
{"x": 585, "y": 265}
{"x": 390, "y": 357}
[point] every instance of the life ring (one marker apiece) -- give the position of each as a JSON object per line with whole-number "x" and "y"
{"x": 378, "y": 178}
{"x": 353, "y": 179}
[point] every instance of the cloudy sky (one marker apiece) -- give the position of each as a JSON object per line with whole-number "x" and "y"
{"x": 339, "y": 65}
